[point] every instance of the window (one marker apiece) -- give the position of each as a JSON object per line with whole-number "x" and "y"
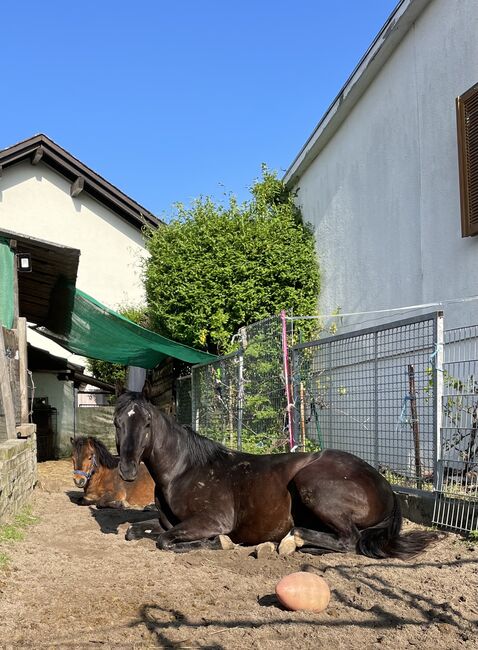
{"x": 467, "y": 120}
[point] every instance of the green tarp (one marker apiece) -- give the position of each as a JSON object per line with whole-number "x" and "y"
{"x": 7, "y": 299}
{"x": 101, "y": 333}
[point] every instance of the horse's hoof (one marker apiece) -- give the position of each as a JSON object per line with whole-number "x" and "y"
{"x": 225, "y": 542}
{"x": 298, "y": 539}
{"x": 265, "y": 550}
{"x": 287, "y": 545}
{"x": 131, "y": 534}
{"x": 163, "y": 545}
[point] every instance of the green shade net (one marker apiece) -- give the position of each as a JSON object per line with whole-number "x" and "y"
{"x": 101, "y": 333}
{"x": 7, "y": 270}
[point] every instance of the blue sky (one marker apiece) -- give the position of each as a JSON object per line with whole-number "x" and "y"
{"x": 170, "y": 101}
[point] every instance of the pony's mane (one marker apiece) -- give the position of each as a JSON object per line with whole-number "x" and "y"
{"x": 195, "y": 449}
{"x": 103, "y": 456}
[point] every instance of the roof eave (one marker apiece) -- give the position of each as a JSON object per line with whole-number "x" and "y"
{"x": 42, "y": 148}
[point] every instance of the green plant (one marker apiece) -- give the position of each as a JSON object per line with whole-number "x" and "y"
{"x": 473, "y": 536}
{"x": 14, "y": 531}
{"x": 11, "y": 533}
{"x": 216, "y": 268}
{"x": 25, "y": 518}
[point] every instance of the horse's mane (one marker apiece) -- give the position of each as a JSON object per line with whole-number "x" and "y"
{"x": 195, "y": 449}
{"x": 198, "y": 449}
{"x": 103, "y": 456}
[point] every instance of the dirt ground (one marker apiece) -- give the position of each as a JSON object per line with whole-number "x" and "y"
{"x": 74, "y": 582}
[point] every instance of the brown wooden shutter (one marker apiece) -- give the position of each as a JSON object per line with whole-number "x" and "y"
{"x": 467, "y": 120}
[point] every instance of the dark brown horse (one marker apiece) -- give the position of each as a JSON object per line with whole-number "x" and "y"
{"x": 96, "y": 471}
{"x": 330, "y": 500}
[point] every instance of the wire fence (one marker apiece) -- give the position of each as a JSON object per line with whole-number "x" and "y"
{"x": 456, "y": 506}
{"x": 371, "y": 393}
{"x": 401, "y": 395}
{"x": 239, "y": 399}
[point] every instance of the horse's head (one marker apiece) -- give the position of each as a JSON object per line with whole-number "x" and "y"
{"x": 133, "y": 432}
{"x": 84, "y": 460}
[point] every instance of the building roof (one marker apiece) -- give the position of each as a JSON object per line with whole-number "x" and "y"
{"x": 82, "y": 178}
{"x": 397, "y": 25}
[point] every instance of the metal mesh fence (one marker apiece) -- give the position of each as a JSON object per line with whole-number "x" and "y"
{"x": 457, "y": 487}
{"x": 371, "y": 393}
{"x": 377, "y": 393}
{"x": 240, "y": 399}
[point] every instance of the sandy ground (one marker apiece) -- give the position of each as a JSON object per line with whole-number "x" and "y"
{"x": 74, "y": 582}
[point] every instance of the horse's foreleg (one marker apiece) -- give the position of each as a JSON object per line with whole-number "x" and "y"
{"x": 150, "y": 528}
{"x": 217, "y": 543}
{"x": 83, "y": 501}
{"x": 197, "y": 532}
{"x": 109, "y": 501}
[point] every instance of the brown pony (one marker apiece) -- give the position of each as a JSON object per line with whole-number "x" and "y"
{"x": 96, "y": 471}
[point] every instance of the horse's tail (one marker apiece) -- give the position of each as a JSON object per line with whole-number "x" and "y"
{"x": 384, "y": 539}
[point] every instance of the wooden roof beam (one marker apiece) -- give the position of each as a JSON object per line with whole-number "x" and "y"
{"x": 77, "y": 186}
{"x": 37, "y": 156}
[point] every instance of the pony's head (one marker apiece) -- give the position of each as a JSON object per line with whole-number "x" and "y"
{"x": 88, "y": 454}
{"x": 84, "y": 460}
{"x": 132, "y": 421}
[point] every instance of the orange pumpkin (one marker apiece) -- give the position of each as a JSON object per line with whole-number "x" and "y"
{"x": 303, "y": 590}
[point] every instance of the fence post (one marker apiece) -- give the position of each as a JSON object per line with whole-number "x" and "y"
{"x": 288, "y": 393}
{"x": 438, "y": 358}
{"x": 376, "y": 443}
{"x": 240, "y": 397}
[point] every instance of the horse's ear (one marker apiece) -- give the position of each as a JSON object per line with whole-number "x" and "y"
{"x": 119, "y": 387}
{"x": 147, "y": 390}
{"x": 72, "y": 440}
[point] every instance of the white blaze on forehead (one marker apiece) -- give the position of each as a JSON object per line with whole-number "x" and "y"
{"x": 130, "y": 413}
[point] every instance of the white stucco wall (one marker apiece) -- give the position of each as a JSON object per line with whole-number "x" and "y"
{"x": 36, "y": 201}
{"x": 383, "y": 194}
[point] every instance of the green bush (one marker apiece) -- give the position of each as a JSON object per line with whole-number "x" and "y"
{"x": 216, "y": 268}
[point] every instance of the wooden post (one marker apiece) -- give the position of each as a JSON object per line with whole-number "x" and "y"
{"x": 23, "y": 357}
{"x": 6, "y": 396}
{"x": 414, "y": 423}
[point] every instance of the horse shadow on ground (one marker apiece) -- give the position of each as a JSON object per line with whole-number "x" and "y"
{"x": 166, "y": 623}
{"x": 110, "y": 519}
{"x": 74, "y": 495}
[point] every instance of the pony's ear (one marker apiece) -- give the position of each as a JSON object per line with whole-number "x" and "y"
{"x": 147, "y": 390}
{"x": 119, "y": 387}
{"x": 72, "y": 440}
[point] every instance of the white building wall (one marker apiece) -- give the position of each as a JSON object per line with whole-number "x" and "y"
{"x": 383, "y": 194}
{"x": 35, "y": 201}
